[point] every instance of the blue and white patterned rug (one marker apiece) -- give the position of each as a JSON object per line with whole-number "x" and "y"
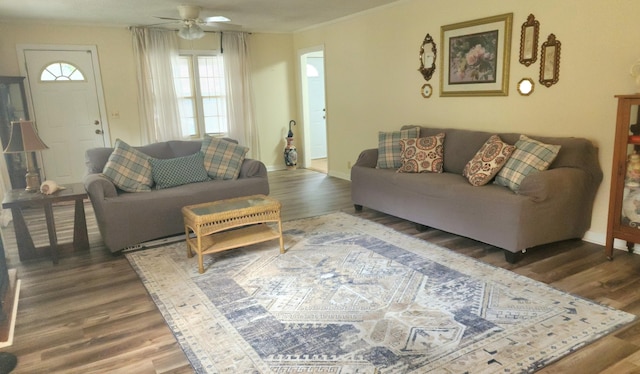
{"x": 352, "y": 296}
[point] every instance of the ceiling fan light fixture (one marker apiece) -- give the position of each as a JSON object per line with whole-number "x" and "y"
{"x": 191, "y": 32}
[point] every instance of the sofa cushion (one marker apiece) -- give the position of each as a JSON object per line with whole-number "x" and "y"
{"x": 488, "y": 161}
{"x": 529, "y": 156}
{"x": 422, "y": 155}
{"x": 389, "y": 147}
{"x": 128, "y": 168}
{"x": 178, "y": 171}
{"x": 222, "y": 159}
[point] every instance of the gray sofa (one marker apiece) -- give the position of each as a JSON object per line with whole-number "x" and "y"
{"x": 126, "y": 219}
{"x": 550, "y": 206}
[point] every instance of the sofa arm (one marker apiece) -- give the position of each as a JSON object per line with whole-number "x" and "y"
{"x": 252, "y": 168}
{"x": 552, "y": 183}
{"x": 368, "y": 158}
{"x": 99, "y": 187}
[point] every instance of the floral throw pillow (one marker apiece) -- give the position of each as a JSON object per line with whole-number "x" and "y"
{"x": 422, "y": 155}
{"x": 488, "y": 161}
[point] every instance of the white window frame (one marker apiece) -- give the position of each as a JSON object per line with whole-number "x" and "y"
{"x": 195, "y": 86}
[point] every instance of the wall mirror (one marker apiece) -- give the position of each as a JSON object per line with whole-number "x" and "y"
{"x": 427, "y": 57}
{"x": 550, "y": 61}
{"x": 529, "y": 41}
{"x": 525, "y": 86}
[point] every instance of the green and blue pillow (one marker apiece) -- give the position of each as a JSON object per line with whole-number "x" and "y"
{"x": 177, "y": 171}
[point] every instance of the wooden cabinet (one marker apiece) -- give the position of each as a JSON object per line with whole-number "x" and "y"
{"x": 624, "y": 199}
{"x": 13, "y": 107}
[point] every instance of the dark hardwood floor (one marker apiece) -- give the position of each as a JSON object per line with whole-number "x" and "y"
{"x": 91, "y": 314}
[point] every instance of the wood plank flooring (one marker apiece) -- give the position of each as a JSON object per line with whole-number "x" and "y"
{"x": 91, "y": 314}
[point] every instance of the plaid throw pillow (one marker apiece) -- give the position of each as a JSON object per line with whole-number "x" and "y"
{"x": 128, "y": 168}
{"x": 529, "y": 156}
{"x": 389, "y": 149}
{"x": 222, "y": 159}
{"x": 178, "y": 171}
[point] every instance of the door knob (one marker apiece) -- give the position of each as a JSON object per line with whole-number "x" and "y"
{"x": 98, "y": 131}
{"x": 96, "y": 122}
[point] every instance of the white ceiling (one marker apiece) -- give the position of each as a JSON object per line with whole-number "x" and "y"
{"x": 252, "y": 15}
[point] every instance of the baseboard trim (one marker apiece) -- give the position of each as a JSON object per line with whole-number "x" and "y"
{"x": 601, "y": 239}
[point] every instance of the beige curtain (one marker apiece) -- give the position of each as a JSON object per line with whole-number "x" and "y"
{"x": 236, "y": 57}
{"x": 156, "y": 51}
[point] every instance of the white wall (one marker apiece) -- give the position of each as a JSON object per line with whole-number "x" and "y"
{"x": 373, "y": 83}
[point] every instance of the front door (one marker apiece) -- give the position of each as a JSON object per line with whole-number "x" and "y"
{"x": 67, "y": 109}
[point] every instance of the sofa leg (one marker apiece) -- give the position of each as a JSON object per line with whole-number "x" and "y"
{"x": 512, "y": 257}
{"x": 357, "y": 207}
{"x": 421, "y": 227}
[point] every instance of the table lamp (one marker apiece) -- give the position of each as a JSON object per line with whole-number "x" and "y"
{"x": 24, "y": 138}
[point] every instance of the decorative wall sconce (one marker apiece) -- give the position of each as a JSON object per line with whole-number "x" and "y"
{"x": 550, "y": 61}
{"x": 529, "y": 41}
{"x": 428, "y": 54}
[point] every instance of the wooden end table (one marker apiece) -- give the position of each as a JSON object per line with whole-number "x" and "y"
{"x": 17, "y": 200}
{"x": 232, "y": 223}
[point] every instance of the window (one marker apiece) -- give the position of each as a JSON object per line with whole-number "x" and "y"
{"x": 200, "y": 88}
{"x": 61, "y": 71}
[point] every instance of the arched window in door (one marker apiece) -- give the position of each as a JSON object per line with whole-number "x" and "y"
{"x": 61, "y": 71}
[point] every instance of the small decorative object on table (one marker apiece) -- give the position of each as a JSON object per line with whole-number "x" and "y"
{"x": 49, "y": 187}
{"x": 290, "y": 152}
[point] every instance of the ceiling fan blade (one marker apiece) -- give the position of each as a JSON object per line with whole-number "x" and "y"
{"x": 168, "y": 18}
{"x": 216, "y": 19}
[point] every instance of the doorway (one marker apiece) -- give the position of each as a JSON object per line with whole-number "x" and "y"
{"x": 68, "y": 106}
{"x": 314, "y": 108}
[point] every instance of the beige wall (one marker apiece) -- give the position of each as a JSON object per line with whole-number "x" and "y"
{"x": 372, "y": 81}
{"x": 273, "y": 78}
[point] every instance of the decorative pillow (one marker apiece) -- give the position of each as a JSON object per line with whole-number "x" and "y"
{"x": 389, "y": 147}
{"x": 178, "y": 171}
{"x": 222, "y": 159}
{"x": 128, "y": 168}
{"x": 422, "y": 155}
{"x": 530, "y": 156}
{"x": 488, "y": 161}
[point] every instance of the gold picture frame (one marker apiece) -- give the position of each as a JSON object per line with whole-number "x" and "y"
{"x": 475, "y": 57}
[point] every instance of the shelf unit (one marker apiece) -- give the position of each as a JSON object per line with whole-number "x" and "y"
{"x": 624, "y": 199}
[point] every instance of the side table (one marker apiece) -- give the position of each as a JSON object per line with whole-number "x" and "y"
{"x": 17, "y": 200}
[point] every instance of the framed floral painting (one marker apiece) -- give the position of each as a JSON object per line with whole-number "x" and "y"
{"x": 475, "y": 57}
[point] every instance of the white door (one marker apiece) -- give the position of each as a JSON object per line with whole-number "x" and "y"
{"x": 67, "y": 109}
{"x": 317, "y": 112}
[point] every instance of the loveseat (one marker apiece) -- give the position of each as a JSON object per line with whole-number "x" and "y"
{"x": 127, "y": 219}
{"x": 549, "y": 205}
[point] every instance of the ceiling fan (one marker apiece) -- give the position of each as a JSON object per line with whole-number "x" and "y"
{"x": 192, "y": 23}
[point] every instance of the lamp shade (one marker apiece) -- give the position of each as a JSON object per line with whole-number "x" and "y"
{"x": 191, "y": 31}
{"x": 24, "y": 138}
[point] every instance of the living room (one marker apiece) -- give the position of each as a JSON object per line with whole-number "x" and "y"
{"x": 372, "y": 82}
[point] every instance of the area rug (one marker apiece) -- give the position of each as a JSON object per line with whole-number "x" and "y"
{"x": 353, "y": 296}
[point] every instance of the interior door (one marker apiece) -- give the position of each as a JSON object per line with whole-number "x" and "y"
{"x": 317, "y": 112}
{"x": 66, "y": 109}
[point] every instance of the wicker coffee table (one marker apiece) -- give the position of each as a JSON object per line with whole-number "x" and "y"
{"x": 227, "y": 224}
